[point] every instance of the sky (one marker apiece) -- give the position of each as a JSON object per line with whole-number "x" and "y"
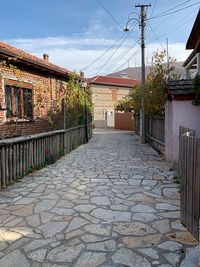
{"x": 87, "y": 35}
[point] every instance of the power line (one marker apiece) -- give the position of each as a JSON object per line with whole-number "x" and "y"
{"x": 130, "y": 47}
{"x": 121, "y": 55}
{"x": 127, "y": 51}
{"x": 134, "y": 54}
{"x": 179, "y": 24}
{"x": 130, "y": 31}
{"x": 108, "y": 12}
{"x": 153, "y": 9}
{"x": 94, "y": 61}
{"x": 175, "y": 11}
{"x": 172, "y": 8}
{"x": 177, "y": 27}
{"x": 113, "y": 54}
{"x": 166, "y": 19}
{"x": 175, "y": 7}
{"x": 155, "y": 36}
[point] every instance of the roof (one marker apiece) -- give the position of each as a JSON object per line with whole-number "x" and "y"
{"x": 180, "y": 87}
{"x": 7, "y": 50}
{"x": 190, "y": 57}
{"x": 105, "y": 80}
{"x": 194, "y": 38}
{"x": 135, "y": 72}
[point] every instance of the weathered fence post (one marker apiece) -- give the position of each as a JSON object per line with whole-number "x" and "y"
{"x": 21, "y": 155}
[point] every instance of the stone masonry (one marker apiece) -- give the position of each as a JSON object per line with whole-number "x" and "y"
{"x": 109, "y": 203}
{"x": 48, "y": 88}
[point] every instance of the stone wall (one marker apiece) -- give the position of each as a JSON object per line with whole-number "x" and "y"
{"x": 47, "y": 92}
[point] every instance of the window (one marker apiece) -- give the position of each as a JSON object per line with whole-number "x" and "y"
{"x": 18, "y": 102}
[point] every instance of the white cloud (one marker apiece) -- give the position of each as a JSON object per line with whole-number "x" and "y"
{"x": 75, "y": 53}
{"x": 63, "y": 42}
{"x": 176, "y": 50}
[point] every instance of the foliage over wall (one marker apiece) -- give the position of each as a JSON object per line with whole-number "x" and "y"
{"x": 155, "y": 88}
{"x": 75, "y": 102}
{"x": 73, "y": 105}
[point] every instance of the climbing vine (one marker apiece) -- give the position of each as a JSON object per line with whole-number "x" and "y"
{"x": 75, "y": 102}
{"x": 50, "y": 113}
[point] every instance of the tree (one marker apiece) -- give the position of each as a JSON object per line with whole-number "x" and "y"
{"x": 155, "y": 89}
{"x": 74, "y": 105}
{"x": 75, "y": 102}
{"x": 131, "y": 101}
{"x": 155, "y": 93}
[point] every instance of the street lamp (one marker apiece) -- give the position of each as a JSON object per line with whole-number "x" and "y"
{"x": 126, "y": 29}
{"x": 84, "y": 86}
{"x": 142, "y": 25}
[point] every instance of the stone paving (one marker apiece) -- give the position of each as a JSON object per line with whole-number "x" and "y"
{"x": 109, "y": 203}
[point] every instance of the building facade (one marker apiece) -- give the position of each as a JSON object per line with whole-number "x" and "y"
{"x": 30, "y": 90}
{"x": 106, "y": 92}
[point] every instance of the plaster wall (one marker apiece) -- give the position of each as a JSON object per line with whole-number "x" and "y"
{"x": 179, "y": 113}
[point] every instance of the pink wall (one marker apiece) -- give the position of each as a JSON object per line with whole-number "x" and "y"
{"x": 168, "y": 131}
{"x": 179, "y": 113}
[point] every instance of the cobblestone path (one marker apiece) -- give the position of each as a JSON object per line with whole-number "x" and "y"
{"x": 109, "y": 203}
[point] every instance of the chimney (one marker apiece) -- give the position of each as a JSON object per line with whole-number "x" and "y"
{"x": 46, "y": 57}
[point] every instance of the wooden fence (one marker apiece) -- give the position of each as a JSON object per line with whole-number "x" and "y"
{"x": 22, "y": 155}
{"x": 189, "y": 171}
{"x": 155, "y": 132}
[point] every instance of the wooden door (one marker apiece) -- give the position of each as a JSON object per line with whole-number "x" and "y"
{"x": 125, "y": 121}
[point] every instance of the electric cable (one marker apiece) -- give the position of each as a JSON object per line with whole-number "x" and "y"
{"x": 175, "y": 11}
{"x": 107, "y": 50}
{"x": 112, "y": 54}
{"x": 108, "y": 12}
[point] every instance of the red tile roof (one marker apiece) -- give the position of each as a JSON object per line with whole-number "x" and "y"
{"x": 107, "y": 80}
{"x": 24, "y": 56}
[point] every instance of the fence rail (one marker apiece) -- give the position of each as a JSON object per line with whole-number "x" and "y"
{"x": 189, "y": 171}
{"x": 155, "y": 132}
{"x": 20, "y": 156}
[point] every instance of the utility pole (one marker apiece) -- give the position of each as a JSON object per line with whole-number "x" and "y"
{"x": 167, "y": 58}
{"x": 142, "y": 109}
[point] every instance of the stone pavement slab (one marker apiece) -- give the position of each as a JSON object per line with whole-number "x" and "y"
{"x": 109, "y": 203}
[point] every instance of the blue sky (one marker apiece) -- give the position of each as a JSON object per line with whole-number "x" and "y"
{"x": 75, "y": 33}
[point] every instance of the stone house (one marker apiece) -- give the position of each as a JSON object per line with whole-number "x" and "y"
{"x": 106, "y": 92}
{"x": 30, "y": 88}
